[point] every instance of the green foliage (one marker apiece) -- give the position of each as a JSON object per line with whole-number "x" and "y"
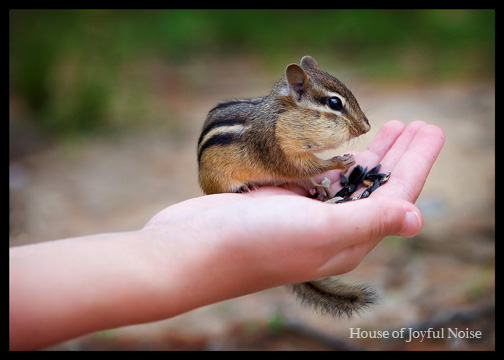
{"x": 65, "y": 64}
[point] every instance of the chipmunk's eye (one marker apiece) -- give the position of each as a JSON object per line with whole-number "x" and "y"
{"x": 335, "y": 103}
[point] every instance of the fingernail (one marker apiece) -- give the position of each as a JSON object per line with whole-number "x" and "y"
{"x": 411, "y": 225}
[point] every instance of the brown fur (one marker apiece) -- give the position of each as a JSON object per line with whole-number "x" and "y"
{"x": 274, "y": 139}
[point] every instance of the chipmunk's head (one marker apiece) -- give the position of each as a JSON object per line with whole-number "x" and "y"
{"x": 331, "y": 115}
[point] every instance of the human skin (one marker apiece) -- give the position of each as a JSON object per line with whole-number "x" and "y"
{"x": 216, "y": 247}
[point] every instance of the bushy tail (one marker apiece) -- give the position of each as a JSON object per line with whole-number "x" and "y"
{"x": 330, "y": 296}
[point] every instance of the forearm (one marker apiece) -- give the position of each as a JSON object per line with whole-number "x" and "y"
{"x": 66, "y": 288}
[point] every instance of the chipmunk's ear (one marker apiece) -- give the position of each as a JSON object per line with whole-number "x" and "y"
{"x": 307, "y": 62}
{"x": 298, "y": 79}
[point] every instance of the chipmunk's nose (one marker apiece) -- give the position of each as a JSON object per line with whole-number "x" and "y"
{"x": 365, "y": 126}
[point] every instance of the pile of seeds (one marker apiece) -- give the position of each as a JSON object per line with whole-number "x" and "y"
{"x": 372, "y": 179}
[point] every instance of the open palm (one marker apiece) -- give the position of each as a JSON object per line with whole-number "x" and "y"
{"x": 298, "y": 238}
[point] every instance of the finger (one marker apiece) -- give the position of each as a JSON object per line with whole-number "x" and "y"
{"x": 392, "y": 153}
{"x": 365, "y": 224}
{"x": 380, "y": 144}
{"x": 401, "y": 144}
{"x": 372, "y": 156}
{"x": 373, "y": 218}
{"x": 410, "y": 171}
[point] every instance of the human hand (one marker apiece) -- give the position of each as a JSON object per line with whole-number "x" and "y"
{"x": 214, "y": 248}
{"x": 274, "y": 236}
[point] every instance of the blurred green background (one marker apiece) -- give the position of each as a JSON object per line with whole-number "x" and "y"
{"x": 65, "y": 65}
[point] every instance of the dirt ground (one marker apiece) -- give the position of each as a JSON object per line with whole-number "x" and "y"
{"x": 444, "y": 278}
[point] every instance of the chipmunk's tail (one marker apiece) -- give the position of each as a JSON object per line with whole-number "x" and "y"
{"x": 330, "y": 296}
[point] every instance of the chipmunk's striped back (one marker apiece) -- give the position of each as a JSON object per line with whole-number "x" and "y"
{"x": 224, "y": 156}
{"x": 225, "y": 123}
{"x": 220, "y": 132}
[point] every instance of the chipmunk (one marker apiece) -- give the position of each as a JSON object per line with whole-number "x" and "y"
{"x": 271, "y": 140}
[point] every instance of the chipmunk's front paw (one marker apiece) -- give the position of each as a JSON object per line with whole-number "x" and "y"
{"x": 346, "y": 160}
{"x": 248, "y": 188}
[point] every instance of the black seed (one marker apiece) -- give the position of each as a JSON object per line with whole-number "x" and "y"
{"x": 343, "y": 192}
{"x": 357, "y": 175}
{"x": 374, "y": 170}
{"x": 344, "y": 180}
{"x": 375, "y": 186}
{"x": 343, "y": 200}
{"x": 385, "y": 178}
{"x": 365, "y": 194}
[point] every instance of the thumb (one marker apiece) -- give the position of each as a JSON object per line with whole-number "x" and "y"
{"x": 412, "y": 223}
{"x": 372, "y": 219}
{"x": 362, "y": 225}
{"x": 392, "y": 217}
